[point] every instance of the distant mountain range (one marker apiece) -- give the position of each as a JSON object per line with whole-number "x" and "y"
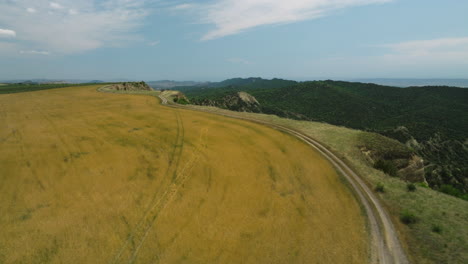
{"x": 416, "y": 82}
{"x": 50, "y": 81}
{"x": 169, "y": 84}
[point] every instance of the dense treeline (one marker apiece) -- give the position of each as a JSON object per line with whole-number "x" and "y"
{"x": 431, "y": 120}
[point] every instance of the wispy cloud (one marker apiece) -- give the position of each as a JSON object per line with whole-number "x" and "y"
{"x": 234, "y": 16}
{"x": 183, "y": 6}
{"x": 35, "y": 52}
{"x": 440, "y": 50}
{"x": 67, "y": 26}
{"x": 430, "y": 58}
{"x": 55, "y": 5}
{"x": 154, "y": 43}
{"x": 7, "y": 33}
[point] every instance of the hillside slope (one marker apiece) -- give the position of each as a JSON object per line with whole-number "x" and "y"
{"x": 430, "y": 120}
{"x": 438, "y": 233}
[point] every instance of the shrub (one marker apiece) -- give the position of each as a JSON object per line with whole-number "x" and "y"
{"x": 408, "y": 218}
{"x": 411, "y": 187}
{"x": 182, "y": 101}
{"x": 423, "y": 184}
{"x": 386, "y": 166}
{"x": 436, "y": 229}
{"x": 450, "y": 190}
{"x": 380, "y": 188}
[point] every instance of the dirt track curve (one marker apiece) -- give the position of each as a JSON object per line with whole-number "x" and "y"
{"x": 385, "y": 247}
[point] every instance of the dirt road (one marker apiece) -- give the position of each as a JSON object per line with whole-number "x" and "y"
{"x": 385, "y": 247}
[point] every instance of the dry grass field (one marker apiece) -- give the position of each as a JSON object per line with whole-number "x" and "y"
{"x": 90, "y": 177}
{"x": 431, "y": 208}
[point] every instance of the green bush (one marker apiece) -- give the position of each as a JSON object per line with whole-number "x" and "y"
{"x": 450, "y": 190}
{"x": 182, "y": 101}
{"x": 436, "y": 229}
{"x": 386, "y": 166}
{"x": 408, "y": 218}
{"x": 423, "y": 184}
{"x": 380, "y": 188}
{"x": 411, "y": 187}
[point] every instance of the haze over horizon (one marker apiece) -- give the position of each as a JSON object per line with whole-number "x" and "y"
{"x": 216, "y": 40}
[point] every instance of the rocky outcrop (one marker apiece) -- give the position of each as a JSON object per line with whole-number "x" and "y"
{"x": 130, "y": 86}
{"x": 247, "y": 98}
{"x": 414, "y": 170}
{"x": 392, "y": 157}
{"x": 240, "y": 101}
{"x": 444, "y": 158}
{"x": 180, "y": 98}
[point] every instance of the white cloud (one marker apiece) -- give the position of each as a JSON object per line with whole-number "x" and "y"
{"x": 31, "y": 10}
{"x": 441, "y": 50}
{"x": 430, "y": 58}
{"x": 55, "y": 5}
{"x": 154, "y": 43}
{"x": 73, "y": 26}
{"x": 7, "y": 33}
{"x": 183, "y": 6}
{"x": 234, "y": 16}
{"x": 35, "y": 52}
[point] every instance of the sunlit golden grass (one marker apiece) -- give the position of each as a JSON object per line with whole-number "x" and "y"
{"x": 90, "y": 177}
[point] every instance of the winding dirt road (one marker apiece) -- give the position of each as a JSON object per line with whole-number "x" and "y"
{"x": 385, "y": 246}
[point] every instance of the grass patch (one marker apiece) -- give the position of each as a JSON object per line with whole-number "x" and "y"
{"x": 383, "y": 147}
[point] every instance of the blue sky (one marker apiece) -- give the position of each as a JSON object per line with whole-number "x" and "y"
{"x": 219, "y": 39}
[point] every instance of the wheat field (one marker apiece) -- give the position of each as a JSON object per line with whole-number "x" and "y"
{"x": 90, "y": 177}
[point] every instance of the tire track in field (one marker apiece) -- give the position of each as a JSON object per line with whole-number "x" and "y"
{"x": 180, "y": 178}
{"x": 143, "y": 226}
{"x": 65, "y": 147}
{"x": 178, "y": 148}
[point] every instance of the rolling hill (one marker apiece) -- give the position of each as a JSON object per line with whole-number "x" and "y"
{"x": 431, "y": 120}
{"x": 93, "y": 177}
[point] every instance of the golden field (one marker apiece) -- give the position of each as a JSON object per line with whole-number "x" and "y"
{"x": 423, "y": 245}
{"x": 90, "y": 177}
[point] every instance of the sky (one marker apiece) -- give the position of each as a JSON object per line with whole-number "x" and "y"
{"x": 212, "y": 40}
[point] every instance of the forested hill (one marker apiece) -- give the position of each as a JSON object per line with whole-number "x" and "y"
{"x": 436, "y": 116}
{"x": 244, "y": 83}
